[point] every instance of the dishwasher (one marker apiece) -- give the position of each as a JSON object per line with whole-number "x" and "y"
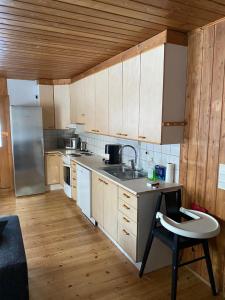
{"x": 84, "y": 190}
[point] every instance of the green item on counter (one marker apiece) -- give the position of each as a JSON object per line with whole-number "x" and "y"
{"x": 153, "y": 177}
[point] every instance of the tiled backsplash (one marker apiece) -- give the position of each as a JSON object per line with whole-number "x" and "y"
{"x": 148, "y": 154}
{"x": 54, "y": 138}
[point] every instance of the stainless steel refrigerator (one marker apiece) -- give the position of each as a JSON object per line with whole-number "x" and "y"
{"x": 27, "y": 146}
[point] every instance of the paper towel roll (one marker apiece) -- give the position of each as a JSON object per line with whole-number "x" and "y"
{"x": 170, "y": 168}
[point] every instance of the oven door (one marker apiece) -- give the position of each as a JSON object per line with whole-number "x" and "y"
{"x": 67, "y": 174}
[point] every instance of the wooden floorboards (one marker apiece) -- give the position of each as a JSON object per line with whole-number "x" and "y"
{"x": 70, "y": 259}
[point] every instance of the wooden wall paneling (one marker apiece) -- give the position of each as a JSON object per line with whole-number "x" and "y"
{"x": 215, "y": 118}
{"x": 6, "y": 169}
{"x": 203, "y": 147}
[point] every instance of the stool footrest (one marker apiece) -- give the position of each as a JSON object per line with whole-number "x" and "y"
{"x": 191, "y": 261}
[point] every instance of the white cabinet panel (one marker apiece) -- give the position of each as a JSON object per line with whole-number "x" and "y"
{"x": 131, "y": 86}
{"x": 115, "y": 99}
{"x": 151, "y": 95}
{"x": 101, "y": 102}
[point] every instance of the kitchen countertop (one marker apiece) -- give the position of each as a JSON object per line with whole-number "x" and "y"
{"x": 95, "y": 163}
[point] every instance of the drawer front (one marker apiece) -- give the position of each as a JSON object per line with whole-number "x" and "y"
{"x": 127, "y": 241}
{"x": 128, "y": 197}
{"x": 74, "y": 193}
{"x": 127, "y": 210}
{"x": 128, "y": 224}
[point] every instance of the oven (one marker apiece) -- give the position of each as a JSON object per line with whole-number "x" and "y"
{"x": 67, "y": 176}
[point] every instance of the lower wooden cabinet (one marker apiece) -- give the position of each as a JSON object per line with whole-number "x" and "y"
{"x": 125, "y": 217}
{"x": 52, "y": 168}
{"x": 105, "y": 204}
{"x": 74, "y": 180}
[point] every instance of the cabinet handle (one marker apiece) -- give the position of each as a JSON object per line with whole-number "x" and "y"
{"x": 99, "y": 179}
{"x": 105, "y": 182}
{"x": 142, "y": 137}
{"x": 124, "y": 134}
{"x": 127, "y": 233}
{"x": 125, "y": 195}
{"x": 83, "y": 115}
{"x": 119, "y": 133}
{"x": 125, "y": 206}
{"x": 74, "y": 186}
{"x": 74, "y": 178}
{"x": 125, "y": 219}
{"x": 95, "y": 130}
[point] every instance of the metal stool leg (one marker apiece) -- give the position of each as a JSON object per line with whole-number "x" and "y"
{"x": 209, "y": 267}
{"x": 147, "y": 250}
{"x": 175, "y": 268}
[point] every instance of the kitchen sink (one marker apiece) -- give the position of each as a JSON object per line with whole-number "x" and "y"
{"x": 124, "y": 173}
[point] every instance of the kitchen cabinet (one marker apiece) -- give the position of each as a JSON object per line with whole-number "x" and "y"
{"x": 116, "y": 99}
{"x": 89, "y": 94}
{"x": 131, "y": 85}
{"x": 105, "y": 204}
{"x": 62, "y": 106}
{"x": 77, "y": 102}
{"x": 47, "y": 103}
{"x": 101, "y": 102}
{"x": 61, "y": 170}
{"x": 162, "y": 94}
{"x": 97, "y": 198}
{"x": 74, "y": 180}
{"x": 52, "y": 168}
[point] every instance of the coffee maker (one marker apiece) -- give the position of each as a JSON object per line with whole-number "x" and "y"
{"x": 113, "y": 153}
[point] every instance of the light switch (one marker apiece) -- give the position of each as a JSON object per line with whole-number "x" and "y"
{"x": 221, "y": 177}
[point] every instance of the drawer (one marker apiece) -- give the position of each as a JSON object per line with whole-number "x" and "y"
{"x": 128, "y": 224}
{"x": 127, "y": 210}
{"x": 128, "y": 197}
{"x": 127, "y": 241}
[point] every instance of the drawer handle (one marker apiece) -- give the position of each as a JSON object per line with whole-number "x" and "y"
{"x": 142, "y": 137}
{"x": 74, "y": 179}
{"x": 99, "y": 179}
{"x": 125, "y": 206}
{"x": 74, "y": 186}
{"x": 119, "y": 133}
{"x": 125, "y": 195}
{"x": 125, "y": 219}
{"x": 105, "y": 182}
{"x": 127, "y": 233}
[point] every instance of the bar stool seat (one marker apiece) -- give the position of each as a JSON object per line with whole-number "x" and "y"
{"x": 180, "y": 228}
{"x": 202, "y": 225}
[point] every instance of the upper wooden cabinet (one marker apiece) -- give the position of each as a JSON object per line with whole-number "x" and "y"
{"x": 101, "y": 102}
{"x": 116, "y": 99}
{"x": 162, "y": 94}
{"x": 89, "y": 94}
{"x": 78, "y": 103}
{"x": 47, "y": 103}
{"x": 62, "y": 106}
{"x": 131, "y": 86}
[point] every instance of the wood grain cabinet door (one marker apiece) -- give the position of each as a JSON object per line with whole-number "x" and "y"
{"x": 110, "y": 218}
{"x": 77, "y": 102}
{"x": 116, "y": 100}
{"x": 131, "y": 86}
{"x": 151, "y": 95}
{"x": 52, "y": 169}
{"x": 47, "y": 105}
{"x": 89, "y": 95}
{"x": 101, "y": 102}
{"x": 62, "y": 106}
{"x": 97, "y": 198}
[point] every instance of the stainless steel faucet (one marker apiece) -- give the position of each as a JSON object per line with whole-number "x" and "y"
{"x": 133, "y": 161}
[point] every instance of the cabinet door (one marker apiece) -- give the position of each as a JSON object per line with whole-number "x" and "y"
{"x": 52, "y": 168}
{"x": 89, "y": 95}
{"x": 110, "y": 208}
{"x": 115, "y": 100}
{"x": 151, "y": 95}
{"x": 97, "y": 198}
{"x": 131, "y": 86}
{"x": 77, "y": 102}
{"x": 101, "y": 102}
{"x": 62, "y": 106}
{"x": 61, "y": 170}
{"x": 47, "y": 104}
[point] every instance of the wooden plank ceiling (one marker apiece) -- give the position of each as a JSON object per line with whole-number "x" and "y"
{"x": 59, "y": 39}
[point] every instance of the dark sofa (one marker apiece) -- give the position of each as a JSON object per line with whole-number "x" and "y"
{"x": 13, "y": 264}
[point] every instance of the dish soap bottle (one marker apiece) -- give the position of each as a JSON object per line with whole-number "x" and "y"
{"x": 151, "y": 170}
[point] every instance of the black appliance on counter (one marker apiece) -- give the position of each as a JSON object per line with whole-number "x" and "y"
{"x": 113, "y": 151}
